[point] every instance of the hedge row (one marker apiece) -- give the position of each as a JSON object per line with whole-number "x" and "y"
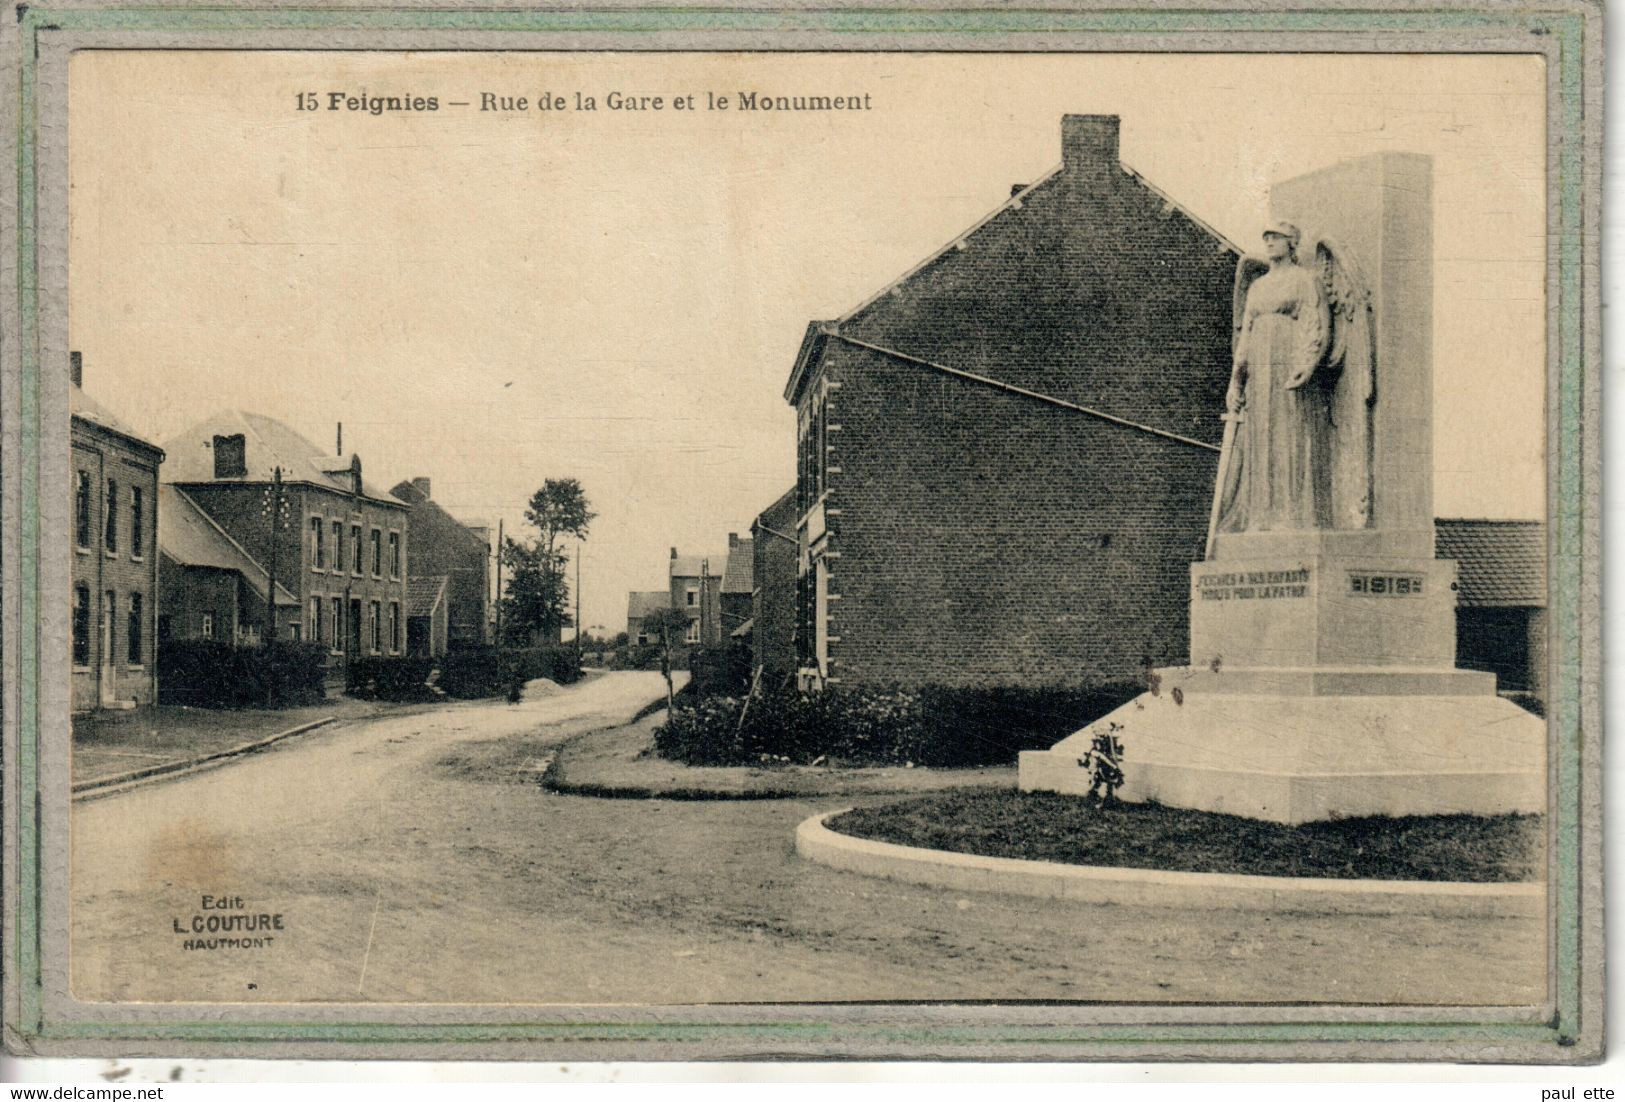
{"x": 467, "y": 673}
{"x": 203, "y": 673}
{"x": 935, "y": 726}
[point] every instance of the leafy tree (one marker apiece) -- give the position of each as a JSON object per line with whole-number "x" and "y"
{"x": 537, "y": 603}
{"x": 669, "y": 626}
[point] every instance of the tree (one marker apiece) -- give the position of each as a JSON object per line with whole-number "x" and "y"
{"x": 670, "y": 627}
{"x": 537, "y": 604}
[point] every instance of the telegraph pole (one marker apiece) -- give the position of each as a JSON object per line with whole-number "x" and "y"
{"x": 498, "y": 640}
{"x": 579, "y": 547}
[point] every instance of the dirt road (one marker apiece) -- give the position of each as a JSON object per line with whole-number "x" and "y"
{"x": 416, "y": 859}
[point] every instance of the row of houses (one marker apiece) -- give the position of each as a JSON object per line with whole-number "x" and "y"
{"x": 1006, "y": 458}
{"x": 240, "y": 530}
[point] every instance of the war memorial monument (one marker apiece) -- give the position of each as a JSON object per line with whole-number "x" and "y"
{"x": 1322, "y": 679}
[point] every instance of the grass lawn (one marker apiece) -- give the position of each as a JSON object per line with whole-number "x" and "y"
{"x": 1045, "y": 826}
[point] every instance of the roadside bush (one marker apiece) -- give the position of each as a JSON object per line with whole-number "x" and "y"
{"x": 937, "y": 726}
{"x": 635, "y": 656}
{"x": 204, "y": 673}
{"x": 721, "y": 670}
{"x": 397, "y": 679}
{"x": 474, "y": 672}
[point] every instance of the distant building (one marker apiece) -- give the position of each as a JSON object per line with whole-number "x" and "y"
{"x": 1007, "y": 457}
{"x": 734, "y": 604}
{"x": 445, "y": 547}
{"x": 114, "y": 574}
{"x": 208, "y": 586}
{"x": 773, "y": 597}
{"x": 696, "y": 590}
{"x": 1500, "y": 599}
{"x": 638, "y": 607}
{"x": 340, "y": 544}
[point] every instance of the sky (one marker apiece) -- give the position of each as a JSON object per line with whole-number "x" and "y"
{"x": 494, "y": 298}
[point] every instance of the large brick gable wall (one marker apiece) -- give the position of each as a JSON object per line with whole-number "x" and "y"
{"x": 981, "y": 537}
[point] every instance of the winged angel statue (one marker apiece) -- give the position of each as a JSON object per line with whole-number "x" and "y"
{"x": 1297, "y": 443}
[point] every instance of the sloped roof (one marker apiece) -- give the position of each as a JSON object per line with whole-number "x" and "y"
{"x": 87, "y": 409}
{"x": 640, "y": 604}
{"x": 1499, "y": 563}
{"x": 737, "y": 575}
{"x": 423, "y": 593}
{"x": 743, "y": 631}
{"x": 418, "y": 500}
{"x": 689, "y": 566}
{"x": 190, "y": 537}
{"x": 268, "y": 444}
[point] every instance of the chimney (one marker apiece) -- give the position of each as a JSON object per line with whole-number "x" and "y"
{"x": 733, "y": 540}
{"x": 1089, "y": 144}
{"x": 674, "y": 552}
{"x": 76, "y": 368}
{"x": 1017, "y": 189}
{"x": 421, "y": 485}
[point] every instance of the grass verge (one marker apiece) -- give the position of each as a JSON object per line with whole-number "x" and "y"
{"x": 1043, "y": 826}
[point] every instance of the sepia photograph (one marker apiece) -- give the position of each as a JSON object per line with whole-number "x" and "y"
{"x": 600, "y": 531}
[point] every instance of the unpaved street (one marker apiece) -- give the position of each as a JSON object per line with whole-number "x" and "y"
{"x": 415, "y": 858}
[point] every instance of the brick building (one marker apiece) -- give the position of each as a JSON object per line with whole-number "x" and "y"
{"x": 1500, "y": 599}
{"x": 114, "y": 592}
{"x": 1007, "y": 457}
{"x": 773, "y": 596}
{"x": 695, "y": 584}
{"x": 208, "y": 586}
{"x": 339, "y": 544}
{"x": 734, "y": 602}
{"x": 443, "y": 546}
{"x": 638, "y": 606}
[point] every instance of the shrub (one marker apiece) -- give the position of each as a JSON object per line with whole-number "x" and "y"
{"x": 389, "y": 678}
{"x": 205, "y": 673}
{"x": 936, "y": 726}
{"x": 721, "y": 670}
{"x": 474, "y": 672}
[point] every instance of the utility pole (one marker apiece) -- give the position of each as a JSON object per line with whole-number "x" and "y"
{"x": 579, "y": 547}
{"x": 500, "y": 545}
{"x": 275, "y": 506}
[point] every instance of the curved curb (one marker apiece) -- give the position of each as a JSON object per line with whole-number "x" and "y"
{"x": 1157, "y": 888}
{"x": 100, "y": 786}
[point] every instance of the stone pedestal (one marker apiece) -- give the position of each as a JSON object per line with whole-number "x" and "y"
{"x": 1322, "y": 680}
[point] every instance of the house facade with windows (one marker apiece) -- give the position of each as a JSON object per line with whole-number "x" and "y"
{"x": 114, "y": 577}
{"x": 1006, "y": 458}
{"x": 445, "y": 547}
{"x": 336, "y": 542}
{"x": 695, "y": 584}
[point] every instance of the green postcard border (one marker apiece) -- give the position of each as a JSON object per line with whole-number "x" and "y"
{"x": 1569, "y": 511}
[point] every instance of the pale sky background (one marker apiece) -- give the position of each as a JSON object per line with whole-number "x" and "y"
{"x": 492, "y": 301}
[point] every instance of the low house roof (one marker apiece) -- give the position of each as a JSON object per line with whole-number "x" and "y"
{"x": 268, "y": 444}
{"x": 737, "y": 575}
{"x": 640, "y": 604}
{"x": 1499, "y": 563}
{"x": 188, "y": 536}
{"x": 743, "y": 631}
{"x": 691, "y": 566}
{"x": 424, "y": 593}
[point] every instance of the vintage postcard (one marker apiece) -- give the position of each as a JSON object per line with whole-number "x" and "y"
{"x": 690, "y": 534}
